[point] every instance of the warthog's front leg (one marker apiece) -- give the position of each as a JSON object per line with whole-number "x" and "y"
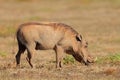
{"x": 59, "y": 56}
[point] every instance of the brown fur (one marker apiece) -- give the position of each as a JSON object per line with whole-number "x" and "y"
{"x": 57, "y": 36}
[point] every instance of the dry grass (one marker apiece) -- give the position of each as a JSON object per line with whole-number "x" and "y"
{"x": 96, "y": 20}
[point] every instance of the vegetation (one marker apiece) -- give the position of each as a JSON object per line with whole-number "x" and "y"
{"x": 97, "y": 20}
{"x": 7, "y": 31}
{"x": 112, "y": 58}
{"x": 69, "y": 60}
{"x": 3, "y": 54}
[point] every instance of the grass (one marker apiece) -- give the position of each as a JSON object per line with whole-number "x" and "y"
{"x": 112, "y": 58}
{"x": 3, "y": 54}
{"x": 7, "y": 31}
{"x": 69, "y": 60}
{"x": 35, "y": 18}
{"x": 96, "y": 20}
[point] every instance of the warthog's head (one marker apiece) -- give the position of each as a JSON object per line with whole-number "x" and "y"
{"x": 81, "y": 53}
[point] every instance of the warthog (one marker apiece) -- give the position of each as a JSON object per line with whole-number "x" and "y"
{"x": 57, "y": 36}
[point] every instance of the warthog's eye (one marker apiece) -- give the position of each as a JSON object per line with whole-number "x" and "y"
{"x": 79, "y": 38}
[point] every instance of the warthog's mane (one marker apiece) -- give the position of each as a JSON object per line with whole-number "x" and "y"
{"x": 53, "y": 24}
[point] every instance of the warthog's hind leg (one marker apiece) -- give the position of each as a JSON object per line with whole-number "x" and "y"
{"x": 30, "y": 50}
{"x": 21, "y": 50}
{"x": 28, "y": 58}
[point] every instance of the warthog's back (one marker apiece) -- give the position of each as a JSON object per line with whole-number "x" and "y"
{"x": 46, "y": 34}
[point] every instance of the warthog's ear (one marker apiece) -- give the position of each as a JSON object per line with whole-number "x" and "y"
{"x": 78, "y": 37}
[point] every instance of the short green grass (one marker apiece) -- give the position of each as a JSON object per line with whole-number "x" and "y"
{"x": 109, "y": 58}
{"x": 3, "y": 54}
{"x": 69, "y": 60}
{"x": 105, "y": 59}
{"x": 7, "y": 31}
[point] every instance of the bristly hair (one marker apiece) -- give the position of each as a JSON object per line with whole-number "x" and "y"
{"x": 54, "y": 24}
{"x": 66, "y": 27}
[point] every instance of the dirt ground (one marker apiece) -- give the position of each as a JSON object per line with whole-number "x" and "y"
{"x": 97, "y": 20}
